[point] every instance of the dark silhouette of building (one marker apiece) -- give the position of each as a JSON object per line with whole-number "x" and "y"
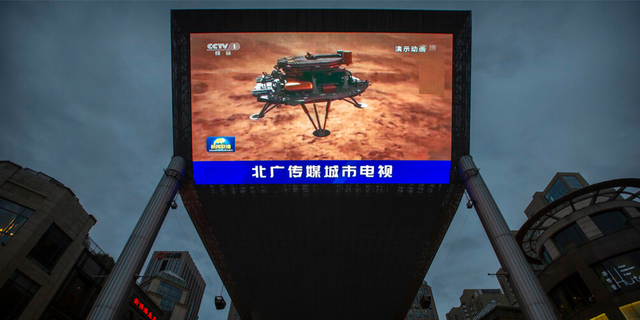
{"x": 181, "y": 265}
{"x": 496, "y": 312}
{"x": 585, "y": 240}
{"x": 77, "y": 294}
{"x": 474, "y": 301}
{"x": 48, "y": 264}
{"x": 416, "y": 311}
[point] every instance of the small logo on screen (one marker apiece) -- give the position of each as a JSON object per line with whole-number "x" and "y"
{"x": 234, "y": 46}
{"x": 221, "y": 144}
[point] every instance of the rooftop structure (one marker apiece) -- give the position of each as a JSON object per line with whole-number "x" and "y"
{"x": 586, "y": 241}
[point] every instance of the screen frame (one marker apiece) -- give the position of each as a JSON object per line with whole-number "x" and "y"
{"x": 186, "y": 22}
{"x": 199, "y": 200}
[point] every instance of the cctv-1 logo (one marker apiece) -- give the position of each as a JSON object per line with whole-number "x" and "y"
{"x": 234, "y": 46}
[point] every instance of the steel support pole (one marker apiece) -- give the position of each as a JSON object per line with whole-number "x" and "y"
{"x": 115, "y": 293}
{"x": 534, "y": 303}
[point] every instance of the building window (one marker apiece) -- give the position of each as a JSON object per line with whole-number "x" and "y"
{"x": 620, "y": 273}
{"x": 546, "y": 256}
{"x": 49, "y": 248}
{"x": 92, "y": 268}
{"x": 16, "y": 294}
{"x": 571, "y": 295}
{"x": 167, "y": 305}
{"x": 78, "y": 294}
{"x": 570, "y": 237}
{"x": 609, "y": 222}
{"x": 12, "y": 217}
{"x": 164, "y": 265}
{"x": 491, "y": 291}
{"x": 557, "y": 190}
{"x": 631, "y": 311}
{"x": 170, "y": 295}
{"x": 572, "y": 182}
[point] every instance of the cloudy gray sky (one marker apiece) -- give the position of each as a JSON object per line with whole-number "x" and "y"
{"x": 85, "y": 96}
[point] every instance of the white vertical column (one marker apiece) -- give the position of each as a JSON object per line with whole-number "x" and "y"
{"x": 114, "y": 294}
{"x": 534, "y": 303}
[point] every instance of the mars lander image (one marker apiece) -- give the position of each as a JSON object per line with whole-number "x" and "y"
{"x": 309, "y": 79}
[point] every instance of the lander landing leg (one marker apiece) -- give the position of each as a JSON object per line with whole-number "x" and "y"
{"x": 268, "y": 106}
{"x": 355, "y": 103}
{"x": 320, "y": 131}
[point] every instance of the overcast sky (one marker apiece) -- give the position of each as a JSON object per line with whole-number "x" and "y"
{"x": 85, "y": 97}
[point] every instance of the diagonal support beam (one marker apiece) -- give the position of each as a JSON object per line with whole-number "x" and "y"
{"x": 113, "y": 297}
{"x": 533, "y": 300}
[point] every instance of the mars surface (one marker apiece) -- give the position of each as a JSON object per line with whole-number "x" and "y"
{"x": 400, "y": 122}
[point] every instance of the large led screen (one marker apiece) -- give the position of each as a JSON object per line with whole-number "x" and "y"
{"x": 289, "y": 108}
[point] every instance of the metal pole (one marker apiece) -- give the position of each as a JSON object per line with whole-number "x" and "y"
{"x": 115, "y": 293}
{"x": 534, "y": 303}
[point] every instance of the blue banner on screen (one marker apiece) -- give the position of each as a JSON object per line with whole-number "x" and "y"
{"x": 330, "y": 171}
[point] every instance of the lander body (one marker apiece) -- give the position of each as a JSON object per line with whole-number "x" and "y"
{"x": 309, "y": 79}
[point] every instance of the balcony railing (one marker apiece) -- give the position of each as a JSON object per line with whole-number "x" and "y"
{"x": 93, "y": 247}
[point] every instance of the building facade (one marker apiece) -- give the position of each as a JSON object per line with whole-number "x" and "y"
{"x": 181, "y": 264}
{"x": 140, "y": 306}
{"x": 586, "y": 241}
{"x": 79, "y": 291}
{"x": 507, "y": 289}
{"x": 416, "y": 312}
{"x": 43, "y": 233}
{"x": 168, "y": 291}
{"x": 496, "y": 312}
{"x": 474, "y": 301}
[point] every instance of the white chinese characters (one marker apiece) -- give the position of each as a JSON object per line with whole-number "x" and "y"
{"x": 414, "y": 49}
{"x": 327, "y": 171}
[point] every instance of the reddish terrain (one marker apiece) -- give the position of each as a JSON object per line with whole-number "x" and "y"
{"x": 399, "y": 123}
